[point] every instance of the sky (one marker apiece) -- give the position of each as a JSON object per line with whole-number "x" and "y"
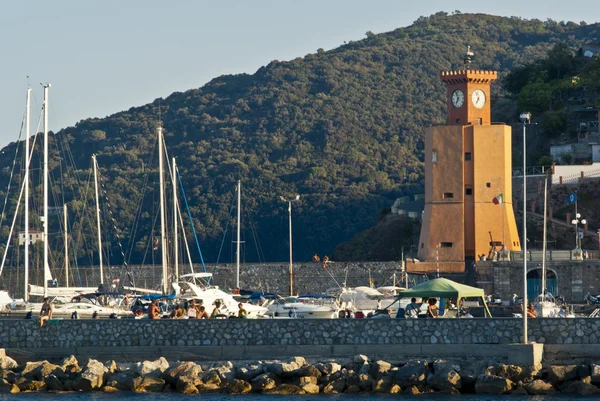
{"x": 102, "y": 57}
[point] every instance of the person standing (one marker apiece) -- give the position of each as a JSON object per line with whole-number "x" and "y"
{"x": 412, "y": 309}
{"x": 432, "y": 310}
{"x": 46, "y": 311}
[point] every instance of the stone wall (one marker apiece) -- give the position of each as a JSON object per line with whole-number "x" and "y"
{"x": 120, "y": 334}
{"x": 574, "y": 278}
{"x": 274, "y": 277}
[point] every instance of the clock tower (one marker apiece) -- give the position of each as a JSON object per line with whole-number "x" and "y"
{"x": 468, "y": 96}
{"x": 468, "y": 178}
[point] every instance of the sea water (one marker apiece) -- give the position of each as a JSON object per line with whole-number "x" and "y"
{"x": 128, "y": 396}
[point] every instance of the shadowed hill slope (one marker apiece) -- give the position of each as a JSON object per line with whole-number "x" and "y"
{"x": 343, "y": 128}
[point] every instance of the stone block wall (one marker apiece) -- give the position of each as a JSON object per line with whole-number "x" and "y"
{"x": 274, "y": 277}
{"x": 62, "y": 334}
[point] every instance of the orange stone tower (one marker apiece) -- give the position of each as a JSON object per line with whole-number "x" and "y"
{"x": 468, "y": 182}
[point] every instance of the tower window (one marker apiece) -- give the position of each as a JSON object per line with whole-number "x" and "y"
{"x": 488, "y": 184}
{"x": 434, "y": 156}
{"x": 458, "y": 120}
{"x": 468, "y": 191}
{"x": 468, "y": 156}
{"x": 445, "y": 244}
{"x": 448, "y": 195}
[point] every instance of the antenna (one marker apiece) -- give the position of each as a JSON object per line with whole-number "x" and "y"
{"x": 468, "y": 57}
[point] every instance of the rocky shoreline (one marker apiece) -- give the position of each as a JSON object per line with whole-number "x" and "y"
{"x": 296, "y": 375}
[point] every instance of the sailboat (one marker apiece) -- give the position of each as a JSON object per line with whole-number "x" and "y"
{"x": 197, "y": 285}
{"x": 63, "y": 302}
{"x": 545, "y": 303}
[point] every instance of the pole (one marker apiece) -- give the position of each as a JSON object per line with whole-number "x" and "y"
{"x": 291, "y": 267}
{"x": 46, "y": 268}
{"x": 576, "y": 224}
{"x": 175, "y": 238}
{"x": 27, "y": 128}
{"x": 524, "y": 234}
{"x": 66, "y": 246}
{"x": 544, "y": 242}
{"x": 162, "y": 211}
{"x": 237, "y": 252}
{"x": 99, "y": 232}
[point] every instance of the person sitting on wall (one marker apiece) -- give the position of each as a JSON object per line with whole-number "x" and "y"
{"x": 192, "y": 312}
{"x": 325, "y": 261}
{"x": 316, "y": 258}
{"x": 412, "y": 309}
{"x": 45, "y": 312}
{"x": 178, "y": 313}
{"x": 153, "y": 310}
{"x": 216, "y": 311}
{"x": 432, "y": 310}
{"x": 531, "y": 311}
{"x": 203, "y": 314}
{"x": 242, "y": 314}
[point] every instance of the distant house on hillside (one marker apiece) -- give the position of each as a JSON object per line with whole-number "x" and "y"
{"x": 591, "y": 49}
{"x": 411, "y": 206}
{"x": 34, "y": 236}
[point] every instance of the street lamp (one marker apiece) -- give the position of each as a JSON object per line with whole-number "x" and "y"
{"x": 289, "y": 202}
{"x": 525, "y": 118}
{"x": 576, "y": 222}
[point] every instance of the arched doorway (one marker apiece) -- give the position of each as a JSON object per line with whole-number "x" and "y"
{"x": 534, "y": 283}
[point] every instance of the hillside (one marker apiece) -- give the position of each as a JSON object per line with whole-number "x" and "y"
{"x": 343, "y": 128}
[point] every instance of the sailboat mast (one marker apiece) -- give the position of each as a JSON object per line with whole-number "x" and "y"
{"x": 27, "y": 128}
{"x": 175, "y": 238}
{"x": 163, "y": 241}
{"x": 544, "y": 242}
{"x": 237, "y": 256}
{"x": 98, "y": 218}
{"x": 46, "y": 267}
{"x": 66, "y": 246}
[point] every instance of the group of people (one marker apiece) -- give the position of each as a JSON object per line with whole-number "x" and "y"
{"x": 413, "y": 309}
{"x": 194, "y": 310}
{"x": 317, "y": 259}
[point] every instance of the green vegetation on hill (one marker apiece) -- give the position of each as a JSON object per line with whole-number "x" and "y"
{"x": 343, "y": 128}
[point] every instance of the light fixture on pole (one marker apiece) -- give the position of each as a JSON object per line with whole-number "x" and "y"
{"x": 575, "y": 222}
{"x": 525, "y": 118}
{"x": 289, "y": 202}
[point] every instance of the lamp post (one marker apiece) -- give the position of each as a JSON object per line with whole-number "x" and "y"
{"x": 289, "y": 202}
{"x": 575, "y": 222}
{"x": 525, "y": 117}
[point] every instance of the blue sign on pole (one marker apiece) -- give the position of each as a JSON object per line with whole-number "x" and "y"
{"x": 572, "y": 198}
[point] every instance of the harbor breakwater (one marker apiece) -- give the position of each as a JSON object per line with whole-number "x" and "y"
{"x": 337, "y": 355}
{"x": 225, "y": 339}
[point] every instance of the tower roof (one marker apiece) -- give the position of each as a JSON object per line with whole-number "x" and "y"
{"x": 469, "y": 76}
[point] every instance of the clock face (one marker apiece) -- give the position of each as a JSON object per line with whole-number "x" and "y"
{"x": 458, "y": 98}
{"x": 478, "y": 98}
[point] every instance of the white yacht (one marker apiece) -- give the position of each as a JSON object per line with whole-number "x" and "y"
{"x": 299, "y": 307}
{"x": 368, "y": 300}
{"x": 195, "y": 286}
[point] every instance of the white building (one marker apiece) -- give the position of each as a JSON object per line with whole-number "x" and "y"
{"x": 34, "y": 236}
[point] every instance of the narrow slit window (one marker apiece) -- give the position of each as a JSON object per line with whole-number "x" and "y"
{"x": 468, "y": 156}
{"x": 448, "y": 195}
{"x": 445, "y": 244}
{"x": 468, "y": 191}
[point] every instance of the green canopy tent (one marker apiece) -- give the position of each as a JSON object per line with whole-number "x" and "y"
{"x": 444, "y": 288}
